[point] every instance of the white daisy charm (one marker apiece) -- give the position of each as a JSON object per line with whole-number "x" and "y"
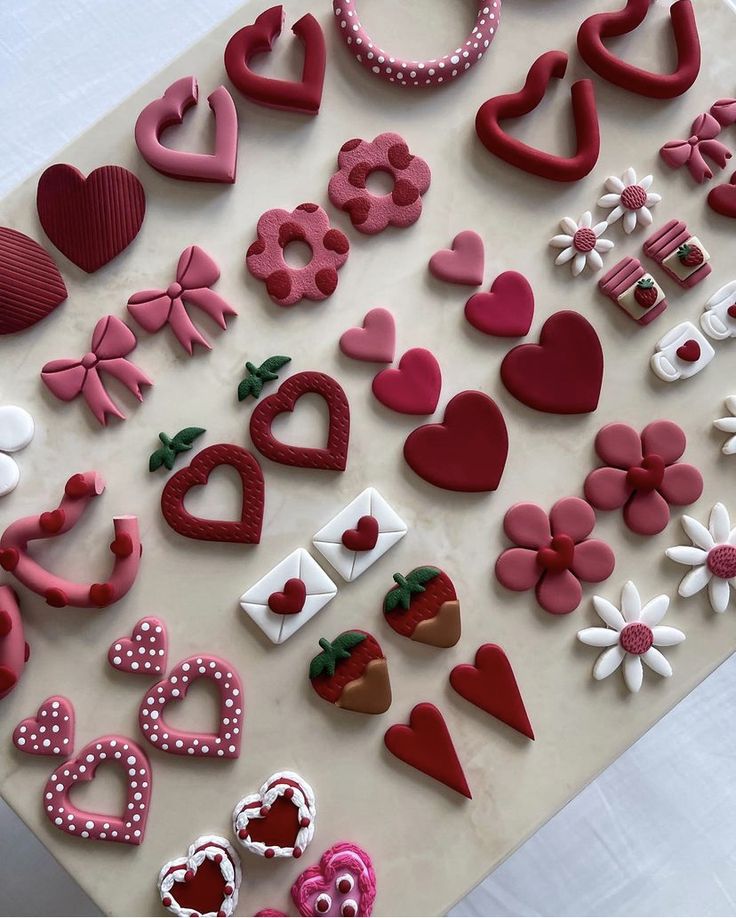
{"x": 728, "y": 425}
{"x": 581, "y": 243}
{"x": 712, "y": 557}
{"x": 629, "y": 199}
{"x": 632, "y": 637}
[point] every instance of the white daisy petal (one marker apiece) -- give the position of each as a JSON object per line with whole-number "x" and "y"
{"x": 731, "y": 403}
{"x": 729, "y": 447}
{"x": 600, "y": 228}
{"x": 586, "y": 220}
{"x": 630, "y": 602}
{"x": 594, "y": 260}
{"x": 598, "y": 637}
{"x": 579, "y": 263}
{"x": 697, "y": 533}
{"x": 614, "y": 183}
{"x": 653, "y": 198}
{"x": 629, "y": 177}
{"x": 604, "y": 245}
{"x": 568, "y": 225}
{"x": 561, "y": 241}
{"x": 608, "y": 613}
{"x": 719, "y": 523}
{"x": 608, "y": 662}
{"x": 664, "y": 636}
{"x": 687, "y": 554}
{"x": 694, "y": 581}
{"x": 658, "y": 662}
{"x": 609, "y": 200}
{"x": 654, "y": 611}
{"x": 629, "y": 221}
{"x": 615, "y": 215}
{"x": 727, "y": 425}
{"x": 719, "y": 593}
{"x": 564, "y": 257}
{"x": 633, "y": 672}
{"x": 646, "y": 182}
{"x": 732, "y": 537}
{"x": 644, "y": 215}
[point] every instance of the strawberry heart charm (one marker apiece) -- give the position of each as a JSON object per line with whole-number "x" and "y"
{"x": 291, "y": 600}
{"x": 92, "y": 219}
{"x": 225, "y": 743}
{"x": 689, "y": 351}
{"x": 463, "y": 263}
{"x": 375, "y": 341}
{"x": 131, "y": 826}
{"x": 343, "y": 883}
{"x": 50, "y": 732}
{"x": 248, "y": 528}
{"x": 507, "y": 311}
{"x": 279, "y": 820}
{"x": 144, "y": 651}
{"x": 205, "y": 882}
{"x": 363, "y": 537}
{"x": 30, "y": 284}
{"x": 413, "y": 388}
{"x": 722, "y": 199}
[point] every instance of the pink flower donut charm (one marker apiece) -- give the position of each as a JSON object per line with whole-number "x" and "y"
{"x": 372, "y": 213}
{"x": 287, "y": 285}
{"x": 406, "y": 72}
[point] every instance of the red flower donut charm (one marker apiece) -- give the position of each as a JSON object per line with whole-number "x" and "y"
{"x": 287, "y": 285}
{"x": 371, "y": 213}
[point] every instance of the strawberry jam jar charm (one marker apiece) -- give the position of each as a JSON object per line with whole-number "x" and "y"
{"x": 682, "y": 256}
{"x": 351, "y": 672}
{"x": 278, "y": 821}
{"x": 205, "y": 882}
{"x": 343, "y": 883}
{"x": 634, "y": 291}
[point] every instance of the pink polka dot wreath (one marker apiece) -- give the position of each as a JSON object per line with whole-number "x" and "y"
{"x": 405, "y": 72}
{"x": 372, "y": 213}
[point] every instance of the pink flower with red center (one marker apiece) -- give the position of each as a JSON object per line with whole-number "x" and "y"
{"x": 553, "y": 553}
{"x": 712, "y": 557}
{"x": 630, "y": 199}
{"x": 580, "y": 243}
{"x": 642, "y": 474}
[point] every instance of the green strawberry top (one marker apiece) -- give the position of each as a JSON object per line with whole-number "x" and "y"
{"x": 333, "y": 652}
{"x": 409, "y": 586}
{"x": 172, "y": 446}
{"x": 646, "y": 283}
{"x": 257, "y": 376}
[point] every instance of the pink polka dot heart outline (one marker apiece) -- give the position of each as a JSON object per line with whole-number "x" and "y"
{"x": 405, "y": 72}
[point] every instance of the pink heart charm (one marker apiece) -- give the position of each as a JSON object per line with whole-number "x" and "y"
{"x": 343, "y": 883}
{"x": 144, "y": 651}
{"x": 413, "y": 388}
{"x": 507, "y": 311}
{"x": 50, "y": 732}
{"x": 375, "y": 341}
{"x": 463, "y": 263}
{"x": 225, "y": 743}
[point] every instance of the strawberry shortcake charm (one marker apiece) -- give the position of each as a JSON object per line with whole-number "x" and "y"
{"x": 351, "y": 672}
{"x": 278, "y": 821}
{"x": 343, "y": 883}
{"x": 423, "y": 606}
{"x": 205, "y": 882}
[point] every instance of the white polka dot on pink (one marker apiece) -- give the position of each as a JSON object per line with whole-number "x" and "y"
{"x": 144, "y": 651}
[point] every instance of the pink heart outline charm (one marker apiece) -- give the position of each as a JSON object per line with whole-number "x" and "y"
{"x": 507, "y": 311}
{"x": 375, "y": 342}
{"x": 50, "y": 732}
{"x": 144, "y": 651}
{"x": 464, "y": 263}
{"x": 413, "y": 388}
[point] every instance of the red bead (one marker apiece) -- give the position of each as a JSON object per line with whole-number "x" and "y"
{"x": 166, "y": 902}
{"x": 243, "y": 833}
{"x": 228, "y": 890}
{"x": 289, "y": 793}
{"x": 188, "y": 876}
{"x": 297, "y": 852}
{"x": 269, "y": 853}
{"x": 304, "y": 822}
{"x": 265, "y": 810}
{"x": 344, "y": 886}
{"x": 217, "y": 858}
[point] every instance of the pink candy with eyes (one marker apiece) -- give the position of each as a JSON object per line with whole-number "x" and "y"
{"x": 343, "y": 883}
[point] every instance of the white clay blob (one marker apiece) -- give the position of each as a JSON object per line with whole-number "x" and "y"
{"x": 16, "y": 428}
{"x": 9, "y": 474}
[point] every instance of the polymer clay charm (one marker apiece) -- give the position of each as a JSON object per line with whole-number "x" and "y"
{"x": 724, "y": 111}
{"x": 681, "y": 353}
{"x": 168, "y": 110}
{"x": 631, "y": 637}
{"x": 332, "y": 457}
{"x": 375, "y": 341}
{"x": 515, "y": 152}
{"x": 205, "y": 882}
{"x": 466, "y": 451}
{"x": 642, "y": 474}
{"x": 14, "y": 651}
{"x": 127, "y": 829}
{"x": 246, "y": 529}
{"x": 634, "y": 291}
{"x": 701, "y": 143}
{"x": 490, "y": 684}
{"x": 581, "y": 243}
{"x": 31, "y": 286}
{"x": 722, "y": 198}
{"x": 630, "y": 198}
{"x": 195, "y": 275}
{"x": 304, "y": 96}
{"x": 288, "y": 596}
{"x": 278, "y": 821}
{"x": 258, "y": 376}
{"x": 719, "y": 316}
{"x": 112, "y": 341}
{"x": 413, "y": 388}
{"x": 343, "y": 883}
{"x": 607, "y": 65}
{"x": 93, "y": 219}
{"x": 351, "y": 672}
{"x": 682, "y": 256}
{"x": 16, "y": 432}
{"x": 507, "y": 311}
{"x": 171, "y": 447}
{"x": 425, "y": 744}
{"x": 287, "y": 285}
{"x": 728, "y": 425}
{"x": 712, "y": 557}
{"x": 553, "y": 554}
{"x": 144, "y": 651}
{"x": 463, "y": 263}
{"x": 58, "y": 592}
{"x": 50, "y": 732}
{"x": 423, "y": 606}
{"x": 563, "y": 374}
{"x": 225, "y": 743}
{"x": 371, "y": 213}
{"x": 360, "y": 534}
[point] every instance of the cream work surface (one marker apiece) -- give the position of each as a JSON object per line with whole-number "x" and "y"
{"x": 412, "y": 826}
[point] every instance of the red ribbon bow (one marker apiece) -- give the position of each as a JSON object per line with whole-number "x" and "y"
{"x": 701, "y": 143}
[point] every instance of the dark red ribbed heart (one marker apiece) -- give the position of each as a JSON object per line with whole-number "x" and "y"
{"x": 290, "y": 601}
{"x": 30, "y": 284}
{"x": 363, "y": 537}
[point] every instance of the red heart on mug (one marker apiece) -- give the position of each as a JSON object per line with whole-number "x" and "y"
{"x": 413, "y": 388}
{"x": 363, "y": 537}
{"x": 291, "y": 600}
{"x": 689, "y": 351}
{"x": 507, "y": 311}
{"x": 30, "y": 283}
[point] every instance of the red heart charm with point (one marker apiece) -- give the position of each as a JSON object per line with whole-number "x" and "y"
{"x": 507, "y": 311}
{"x": 463, "y": 263}
{"x": 291, "y": 600}
{"x": 413, "y": 388}
{"x": 689, "y": 351}
{"x": 363, "y": 537}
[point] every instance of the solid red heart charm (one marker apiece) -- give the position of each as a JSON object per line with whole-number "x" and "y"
{"x": 248, "y": 528}
{"x": 557, "y": 557}
{"x": 507, "y": 311}
{"x": 291, "y": 600}
{"x": 425, "y": 744}
{"x": 467, "y": 451}
{"x": 92, "y": 219}
{"x": 563, "y": 374}
{"x": 299, "y": 96}
{"x": 30, "y": 283}
{"x": 363, "y": 537}
{"x": 335, "y": 456}
{"x": 648, "y": 475}
{"x": 413, "y": 388}
{"x": 689, "y": 351}
{"x": 490, "y": 684}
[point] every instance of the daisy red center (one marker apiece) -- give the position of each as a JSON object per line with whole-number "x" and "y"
{"x": 584, "y": 239}
{"x": 636, "y": 638}
{"x": 633, "y": 197}
{"x": 722, "y": 561}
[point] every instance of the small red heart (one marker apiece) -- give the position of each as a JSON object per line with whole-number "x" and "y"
{"x": 291, "y": 600}
{"x": 9, "y": 558}
{"x": 363, "y": 537}
{"x": 689, "y": 351}
{"x": 101, "y": 594}
{"x": 31, "y": 286}
{"x": 122, "y": 546}
{"x": 52, "y": 520}
{"x": 648, "y": 475}
{"x": 76, "y": 486}
{"x": 507, "y": 311}
{"x": 732, "y": 311}
{"x": 413, "y": 388}
{"x": 56, "y": 598}
{"x": 558, "y": 555}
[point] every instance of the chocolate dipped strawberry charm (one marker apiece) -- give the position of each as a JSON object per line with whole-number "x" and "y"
{"x": 423, "y": 606}
{"x": 352, "y": 673}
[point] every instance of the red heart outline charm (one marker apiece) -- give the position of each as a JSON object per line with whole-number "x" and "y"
{"x": 335, "y": 456}
{"x": 223, "y": 744}
{"x": 278, "y": 821}
{"x": 31, "y": 286}
{"x": 290, "y": 601}
{"x": 205, "y": 882}
{"x": 144, "y": 651}
{"x": 304, "y": 96}
{"x": 722, "y": 198}
{"x": 413, "y": 388}
{"x": 246, "y": 530}
{"x": 50, "y": 732}
{"x": 507, "y": 311}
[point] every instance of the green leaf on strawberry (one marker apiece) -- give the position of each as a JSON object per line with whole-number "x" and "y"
{"x": 181, "y": 442}
{"x": 423, "y": 606}
{"x": 257, "y": 376}
{"x": 409, "y": 586}
{"x": 332, "y": 653}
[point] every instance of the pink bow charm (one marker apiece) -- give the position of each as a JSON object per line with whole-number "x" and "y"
{"x": 701, "y": 143}
{"x": 724, "y": 111}
{"x": 112, "y": 341}
{"x": 195, "y": 274}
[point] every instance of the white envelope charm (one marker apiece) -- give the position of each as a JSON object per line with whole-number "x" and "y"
{"x": 288, "y": 596}
{"x": 719, "y": 316}
{"x": 360, "y": 534}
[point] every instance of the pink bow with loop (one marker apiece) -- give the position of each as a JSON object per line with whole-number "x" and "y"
{"x": 701, "y": 143}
